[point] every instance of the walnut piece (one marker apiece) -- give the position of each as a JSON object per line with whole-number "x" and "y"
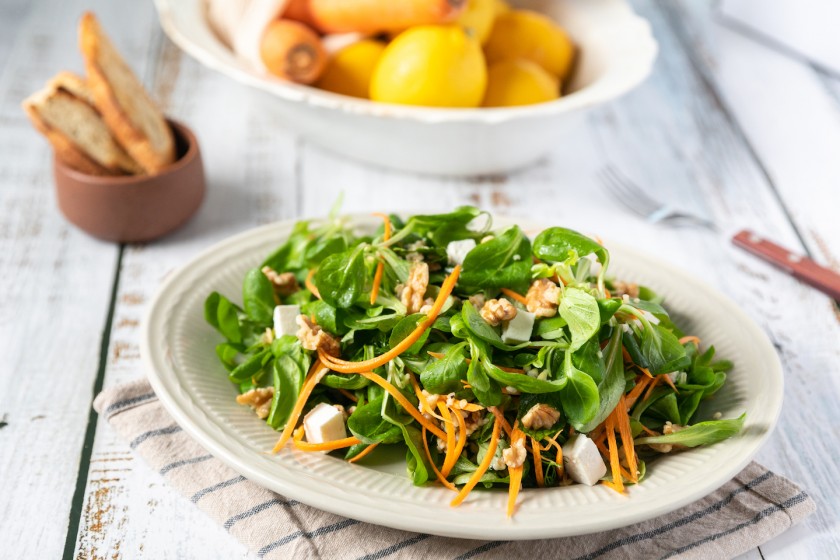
{"x": 540, "y": 416}
{"x": 285, "y": 283}
{"x": 413, "y": 292}
{"x": 497, "y": 310}
{"x": 478, "y": 300}
{"x": 668, "y": 428}
{"x": 515, "y": 454}
{"x": 259, "y": 399}
{"x": 542, "y": 298}
{"x": 620, "y": 288}
{"x": 313, "y": 337}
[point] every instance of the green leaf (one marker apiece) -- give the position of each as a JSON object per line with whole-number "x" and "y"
{"x": 662, "y": 350}
{"x": 579, "y": 396}
{"x": 223, "y": 316}
{"x": 521, "y": 382}
{"x": 581, "y": 312}
{"x": 288, "y": 380}
{"x": 290, "y": 256}
{"x": 485, "y": 389}
{"x": 323, "y": 247}
{"x": 416, "y": 464}
{"x": 613, "y": 385}
{"x": 367, "y": 424}
{"x": 444, "y": 376}
{"x": 250, "y": 367}
{"x": 502, "y": 262}
{"x": 560, "y": 245}
{"x": 404, "y": 328}
{"x": 341, "y": 278}
{"x": 702, "y": 433}
{"x": 481, "y": 329}
{"x": 258, "y": 297}
{"x": 443, "y": 228}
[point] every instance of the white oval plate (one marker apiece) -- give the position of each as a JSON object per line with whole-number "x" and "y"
{"x": 178, "y": 353}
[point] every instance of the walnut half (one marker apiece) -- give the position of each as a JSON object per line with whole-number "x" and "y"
{"x": 259, "y": 399}
{"x": 284, "y": 284}
{"x": 313, "y": 337}
{"x": 412, "y": 295}
{"x": 495, "y": 311}
{"x": 542, "y": 298}
{"x": 540, "y": 416}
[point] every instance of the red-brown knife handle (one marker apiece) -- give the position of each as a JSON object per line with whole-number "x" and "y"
{"x": 799, "y": 266}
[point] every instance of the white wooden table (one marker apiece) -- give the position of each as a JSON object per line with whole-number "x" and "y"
{"x": 724, "y": 126}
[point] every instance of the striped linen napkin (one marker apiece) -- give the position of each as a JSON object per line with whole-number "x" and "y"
{"x": 750, "y": 509}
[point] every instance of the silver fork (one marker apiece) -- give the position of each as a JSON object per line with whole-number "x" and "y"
{"x": 636, "y": 200}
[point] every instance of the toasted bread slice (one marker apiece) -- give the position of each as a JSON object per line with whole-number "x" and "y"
{"x": 130, "y": 113}
{"x": 62, "y": 112}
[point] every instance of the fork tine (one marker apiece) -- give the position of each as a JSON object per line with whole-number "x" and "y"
{"x": 623, "y": 194}
{"x": 635, "y": 191}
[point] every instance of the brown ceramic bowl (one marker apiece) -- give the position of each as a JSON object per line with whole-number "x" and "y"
{"x": 134, "y": 208}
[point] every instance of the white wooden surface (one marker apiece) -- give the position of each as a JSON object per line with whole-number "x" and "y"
{"x": 724, "y": 126}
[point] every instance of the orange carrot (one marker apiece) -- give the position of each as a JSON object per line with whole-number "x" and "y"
{"x": 450, "y": 458}
{"x": 326, "y": 446}
{"x": 634, "y": 393}
{"x": 298, "y": 10}
{"x": 501, "y": 418}
{"x": 538, "y": 468}
{"x": 309, "y": 285}
{"x": 316, "y": 373}
{"x": 623, "y": 421}
{"x": 670, "y": 382}
{"x": 617, "y": 483}
{"x": 515, "y": 474}
{"x": 292, "y": 51}
{"x": 380, "y": 267}
{"x": 372, "y": 16}
{"x": 482, "y": 468}
{"x": 366, "y": 451}
{"x": 344, "y": 366}
{"x": 438, "y": 474}
{"x": 690, "y": 338}
{"x": 462, "y": 440}
{"x": 651, "y": 386}
{"x": 404, "y": 402}
{"x": 513, "y": 295}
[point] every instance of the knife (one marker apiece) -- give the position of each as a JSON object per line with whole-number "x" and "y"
{"x": 799, "y": 266}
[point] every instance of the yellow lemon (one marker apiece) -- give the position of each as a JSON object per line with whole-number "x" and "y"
{"x": 349, "y": 70}
{"x": 478, "y": 18}
{"x": 432, "y": 65}
{"x": 519, "y": 82}
{"x": 526, "y": 34}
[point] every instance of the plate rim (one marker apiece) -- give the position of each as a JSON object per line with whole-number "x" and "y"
{"x": 366, "y": 512}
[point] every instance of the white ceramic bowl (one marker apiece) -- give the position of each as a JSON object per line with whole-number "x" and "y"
{"x": 616, "y": 52}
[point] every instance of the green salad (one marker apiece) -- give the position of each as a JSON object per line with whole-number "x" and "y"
{"x": 492, "y": 358}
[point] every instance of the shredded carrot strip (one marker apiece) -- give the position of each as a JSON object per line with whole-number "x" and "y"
{"x": 349, "y": 395}
{"x": 623, "y": 421}
{"x": 646, "y": 371}
{"x": 485, "y": 463}
{"x": 670, "y": 382}
{"x": 450, "y": 458}
{"x": 617, "y": 484}
{"x": 440, "y": 356}
{"x": 538, "y": 468}
{"x": 607, "y": 293}
{"x": 380, "y": 267}
{"x": 469, "y": 407}
{"x": 634, "y": 393}
{"x": 626, "y": 355}
{"x": 651, "y": 386}
{"x": 316, "y": 373}
{"x": 648, "y": 431}
{"x": 404, "y": 402}
{"x": 326, "y": 446}
{"x": 515, "y": 474}
{"x": 691, "y": 338}
{"x": 344, "y": 366}
{"x": 377, "y": 281}
{"x": 366, "y": 451}
{"x": 513, "y": 295}
{"x": 438, "y": 474}
{"x": 310, "y": 286}
{"x": 501, "y": 418}
{"x": 462, "y": 439}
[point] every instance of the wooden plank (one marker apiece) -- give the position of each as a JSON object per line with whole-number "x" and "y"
{"x": 13, "y": 13}
{"x": 129, "y": 511}
{"x": 55, "y": 285}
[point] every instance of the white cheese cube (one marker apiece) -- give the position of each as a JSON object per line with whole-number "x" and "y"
{"x": 284, "y": 319}
{"x": 457, "y": 251}
{"x": 518, "y": 329}
{"x": 582, "y": 460}
{"x": 324, "y": 423}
